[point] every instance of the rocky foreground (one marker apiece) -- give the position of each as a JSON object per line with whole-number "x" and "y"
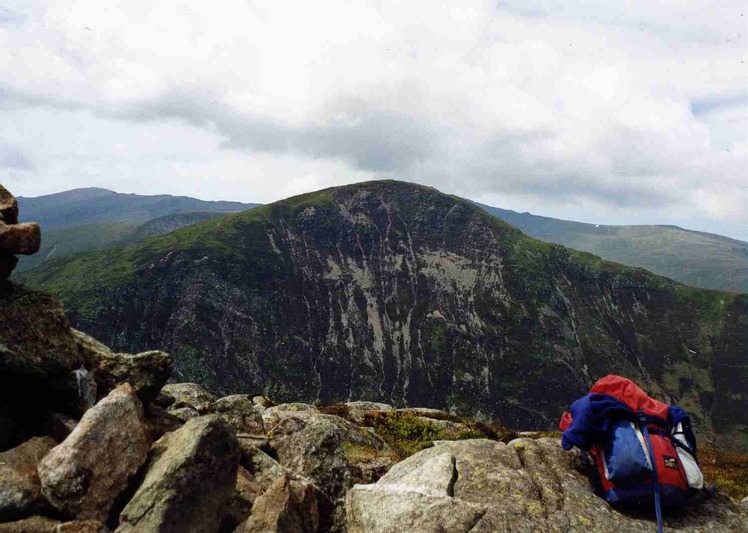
{"x": 98, "y": 441}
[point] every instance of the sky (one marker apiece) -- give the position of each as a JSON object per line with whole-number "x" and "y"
{"x": 607, "y": 112}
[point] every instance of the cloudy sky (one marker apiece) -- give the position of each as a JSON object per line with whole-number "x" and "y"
{"x": 617, "y": 112}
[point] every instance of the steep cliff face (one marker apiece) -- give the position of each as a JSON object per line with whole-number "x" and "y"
{"x": 395, "y": 292}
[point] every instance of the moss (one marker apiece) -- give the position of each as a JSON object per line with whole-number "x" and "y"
{"x": 728, "y": 470}
{"x": 358, "y": 453}
{"x": 407, "y": 434}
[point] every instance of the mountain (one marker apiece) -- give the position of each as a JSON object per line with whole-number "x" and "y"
{"x": 95, "y": 235}
{"x": 87, "y": 219}
{"x": 691, "y": 257}
{"x": 83, "y": 206}
{"x": 395, "y": 292}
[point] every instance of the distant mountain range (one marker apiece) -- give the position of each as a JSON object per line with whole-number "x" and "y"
{"x": 691, "y": 257}
{"x": 84, "y": 206}
{"x": 394, "y": 292}
{"x": 88, "y": 219}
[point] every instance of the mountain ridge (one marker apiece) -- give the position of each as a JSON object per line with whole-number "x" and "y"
{"x": 395, "y": 292}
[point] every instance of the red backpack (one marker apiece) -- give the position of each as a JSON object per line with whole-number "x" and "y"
{"x": 643, "y": 449}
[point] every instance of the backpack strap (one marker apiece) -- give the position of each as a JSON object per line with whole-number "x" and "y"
{"x": 653, "y": 461}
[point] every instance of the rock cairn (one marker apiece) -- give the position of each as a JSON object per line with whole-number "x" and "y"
{"x": 15, "y": 238}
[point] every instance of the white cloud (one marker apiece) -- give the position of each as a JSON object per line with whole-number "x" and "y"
{"x": 636, "y": 109}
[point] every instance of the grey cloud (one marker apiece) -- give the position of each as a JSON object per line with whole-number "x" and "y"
{"x": 371, "y": 139}
{"x": 400, "y": 145}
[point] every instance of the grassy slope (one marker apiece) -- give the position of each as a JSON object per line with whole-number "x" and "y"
{"x": 690, "y": 257}
{"x": 66, "y": 241}
{"x": 60, "y": 242}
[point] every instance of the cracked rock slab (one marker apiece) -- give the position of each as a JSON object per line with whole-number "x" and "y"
{"x": 486, "y": 486}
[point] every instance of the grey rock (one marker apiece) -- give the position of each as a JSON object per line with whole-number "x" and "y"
{"x": 190, "y": 477}
{"x": 240, "y": 413}
{"x": 288, "y": 506}
{"x": 147, "y": 371}
{"x": 188, "y": 395}
{"x": 20, "y": 488}
{"x": 528, "y": 485}
{"x": 83, "y": 476}
{"x": 183, "y": 413}
{"x": 358, "y": 410}
{"x": 275, "y": 414}
{"x": 35, "y": 337}
{"x": 314, "y": 446}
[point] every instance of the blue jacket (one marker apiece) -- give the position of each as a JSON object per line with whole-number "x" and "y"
{"x": 592, "y": 413}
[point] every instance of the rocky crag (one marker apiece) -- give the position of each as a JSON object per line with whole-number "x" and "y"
{"x": 396, "y": 293}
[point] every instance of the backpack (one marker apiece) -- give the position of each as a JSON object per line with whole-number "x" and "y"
{"x": 643, "y": 449}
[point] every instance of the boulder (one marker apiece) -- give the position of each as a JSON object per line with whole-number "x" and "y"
{"x": 273, "y": 415}
{"x": 189, "y": 480}
{"x": 20, "y": 488}
{"x": 528, "y": 485}
{"x": 34, "y": 524}
{"x": 83, "y": 476}
{"x": 239, "y": 412}
{"x": 38, "y": 357}
{"x": 314, "y": 445}
{"x": 178, "y": 395}
{"x": 35, "y": 337}
{"x": 23, "y": 239}
{"x": 183, "y": 413}
{"x": 288, "y": 506}
{"x": 357, "y": 411}
{"x": 147, "y": 372}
